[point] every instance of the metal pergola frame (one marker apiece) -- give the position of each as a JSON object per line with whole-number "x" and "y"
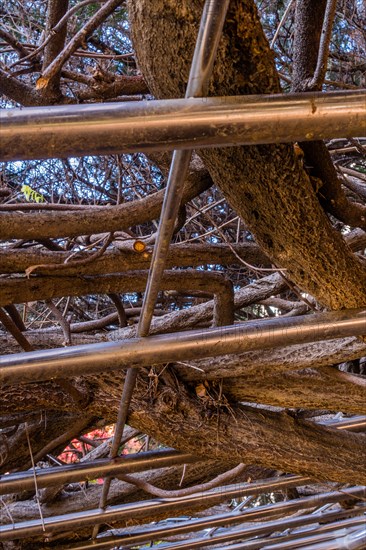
{"x": 101, "y": 129}
{"x": 181, "y": 124}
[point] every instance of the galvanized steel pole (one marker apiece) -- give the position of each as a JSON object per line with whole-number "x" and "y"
{"x": 138, "y": 352}
{"x": 77, "y": 520}
{"x": 76, "y": 130}
{"x": 255, "y": 533}
{"x": 212, "y": 21}
{"x": 209, "y": 35}
{"x": 69, "y": 473}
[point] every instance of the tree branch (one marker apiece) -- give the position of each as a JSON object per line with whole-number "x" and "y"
{"x": 42, "y": 431}
{"x": 121, "y": 85}
{"x": 10, "y": 325}
{"x": 55, "y": 67}
{"x": 274, "y": 362}
{"x": 43, "y": 225}
{"x": 279, "y": 206}
{"x": 124, "y": 257}
{"x": 18, "y": 46}
{"x": 18, "y": 91}
{"x": 45, "y": 288}
{"x": 121, "y": 492}
{"x": 121, "y": 312}
{"x": 221, "y": 479}
{"x": 265, "y": 438}
{"x": 310, "y": 389}
{"x": 56, "y": 9}
{"x": 311, "y": 44}
{"x": 188, "y": 318}
{"x": 326, "y": 34}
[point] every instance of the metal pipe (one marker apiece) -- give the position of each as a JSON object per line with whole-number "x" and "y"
{"x": 168, "y": 531}
{"x": 332, "y": 540}
{"x": 355, "y": 541}
{"x": 77, "y": 520}
{"x": 351, "y": 541}
{"x": 190, "y": 345}
{"x": 212, "y": 21}
{"x": 354, "y": 423}
{"x": 334, "y": 533}
{"x": 99, "y": 129}
{"x": 209, "y": 498}
{"x": 156, "y": 532}
{"x": 107, "y": 542}
{"x": 264, "y": 528}
{"x": 69, "y": 473}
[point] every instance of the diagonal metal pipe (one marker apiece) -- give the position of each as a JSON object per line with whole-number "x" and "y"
{"x": 212, "y": 21}
{"x": 77, "y": 130}
{"x": 138, "y": 352}
{"x": 338, "y": 535}
{"x": 234, "y": 533}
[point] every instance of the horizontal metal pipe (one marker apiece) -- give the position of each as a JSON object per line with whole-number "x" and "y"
{"x": 99, "y": 129}
{"x": 156, "y": 532}
{"x": 354, "y": 423}
{"x": 332, "y": 540}
{"x": 105, "y": 543}
{"x": 337, "y": 532}
{"x": 255, "y": 531}
{"x": 138, "y": 352}
{"x": 69, "y": 473}
{"x": 355, "y": 540}
{"x": 77, "y": 520}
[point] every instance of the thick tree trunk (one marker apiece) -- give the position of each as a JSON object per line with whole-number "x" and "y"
{"x": 265, "y": 184}
{"x": 211, "y": 425}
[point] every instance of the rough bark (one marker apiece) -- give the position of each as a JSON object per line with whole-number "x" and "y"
{"x": 44, "y": 225}
{"x": 217, "y": 428}
{"x": 309, "y": 21}
{"x": 310, "y": 389}
{"x": 126, "y": 259}
{"x": 257, "y": 436}
{"x": 270, "y": 189}
{"x": 307, "y": 39}
{"x": 18, "y": 290}
{"x": 275, "y": 361}
{"x": 56, "y": 9}
{"x": 20, "y": 92}
{"x": 186, "y": 318}
{"x": 266, "y": 185}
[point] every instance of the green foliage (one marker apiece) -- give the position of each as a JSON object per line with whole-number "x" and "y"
{"x": 31, "y": 195}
